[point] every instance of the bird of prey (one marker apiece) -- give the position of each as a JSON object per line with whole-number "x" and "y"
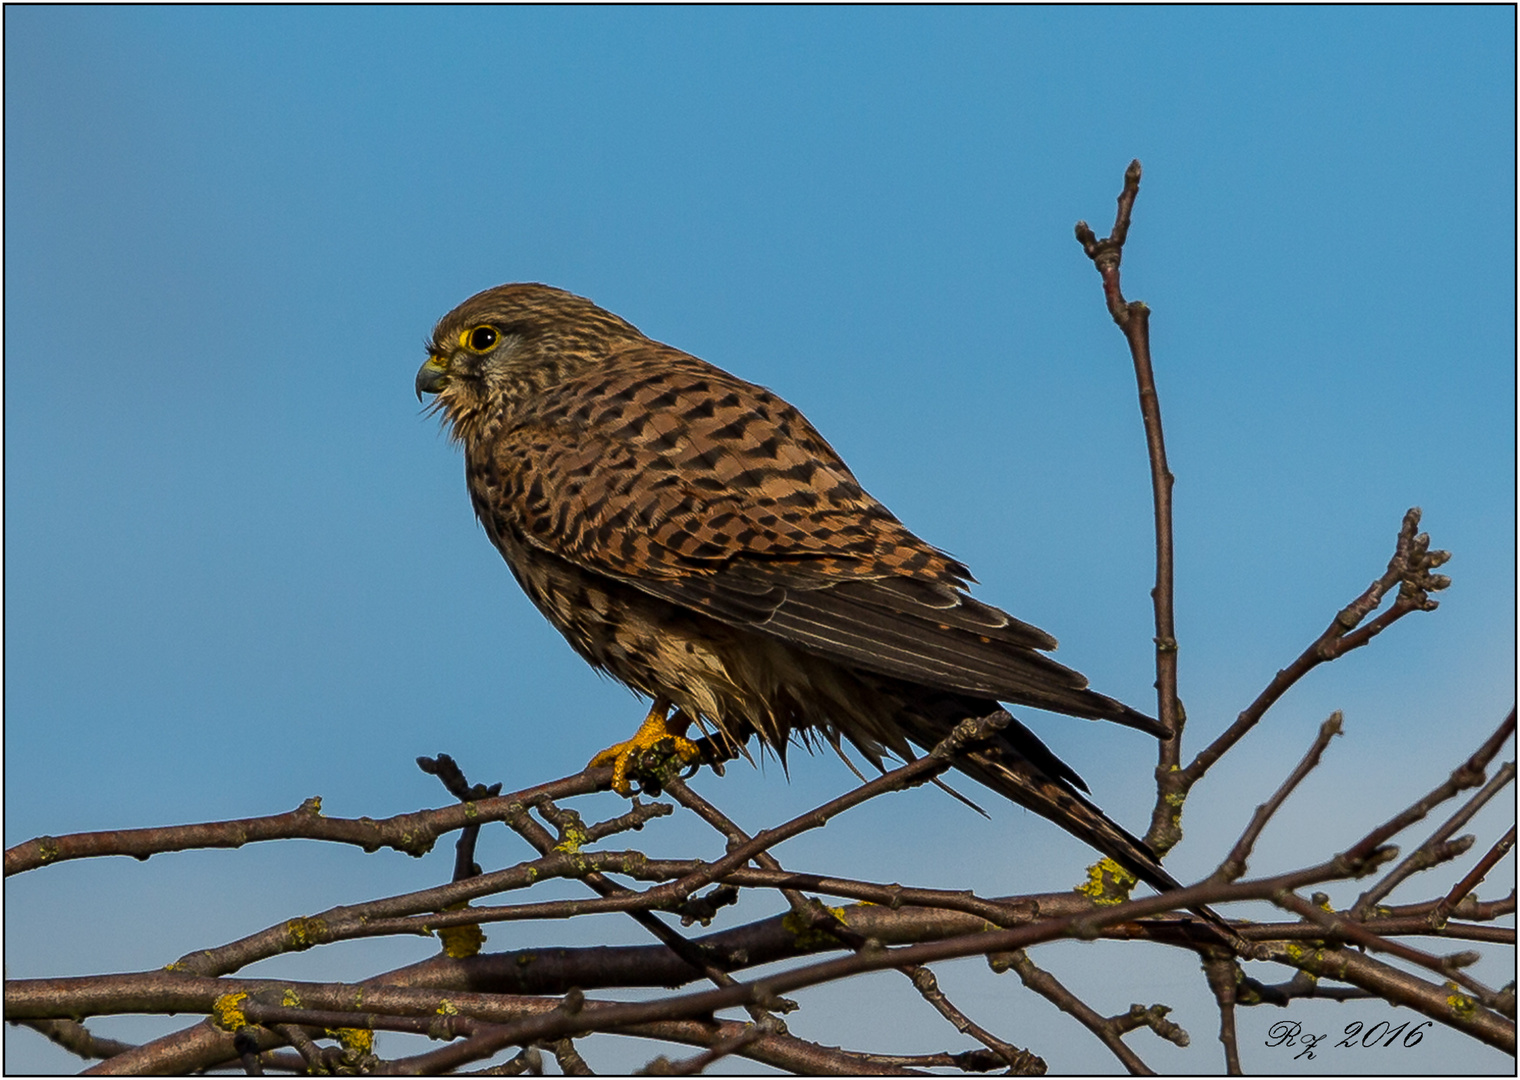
{"x": 692, "y": 535}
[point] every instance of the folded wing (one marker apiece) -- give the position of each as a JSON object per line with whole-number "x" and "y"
{"x": 726, "y": 501}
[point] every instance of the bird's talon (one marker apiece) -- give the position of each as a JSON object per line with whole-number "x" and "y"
{"x": 659, "y": 738}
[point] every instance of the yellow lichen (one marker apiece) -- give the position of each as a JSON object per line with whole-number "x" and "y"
{"x": 291, "y": 999}
{"x": 227, "y": 1013}
{"x": 805, "y": 934}
{"x": 303, "y": 933}
{"x": 361, "y": 1040}
{"x": 1107, "y": 882}
{"x": 446, "y": 1008}
{"x": 460, "y": 942}
{"x": 1462, "y": 1007}
{"x": 463, "y": 941}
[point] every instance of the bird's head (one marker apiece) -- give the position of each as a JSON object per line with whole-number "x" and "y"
{"x": 512, "y": 341}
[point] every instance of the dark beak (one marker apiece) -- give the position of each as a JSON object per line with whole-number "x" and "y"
{"x": 431, "y": 376}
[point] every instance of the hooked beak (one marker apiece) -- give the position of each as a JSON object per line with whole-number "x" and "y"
{"x": 432, "y": 376}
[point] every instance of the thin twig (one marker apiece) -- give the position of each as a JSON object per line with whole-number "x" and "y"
{"x": 447, "y": 771}
{"x": 1133, "y": 319}
{"x": 78, "y": 1039}
{"x": 1469, "y": 907}
{"x": 1408, "y": 926}
{"x": 1303, "y": 985}
{"x": 1467, "y": 775}
{"x": 528, "y": 1060}
{"x": 1436, "y": 848}
{"x": 1049, "y": 987}
{"x": 1474, "y": 878}
{"x": 1020, "y": 1062}
{"x": 1409, "y": 568}
{"x": 1234, "y": 865}
{"x": 722, "y": 1048}
{"x": 310, "y": 1052}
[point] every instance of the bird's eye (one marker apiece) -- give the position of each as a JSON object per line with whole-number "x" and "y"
{"x": 480, "y": 339}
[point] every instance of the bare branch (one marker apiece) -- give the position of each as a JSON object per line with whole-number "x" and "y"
{"x": 413, "y": 834}
{"x": 1443, "y": 1004}
{"x": 1133, "y": 318}
{"x": 1409, "y": 569}
{"x": 1358, "y": 934}
{"x": 1474, "y": 878}
{"x": 1020, "y": 1062}
{"x": 1224, "y": 975}
{"x": 78, "y": 1039}
{"x": 721, "y": 1048}
{"x": 1437, "y": 848}
{"x": 1468, "y": 775}
{"x": 1050, "y": 988}
{"x": 1234, "y": 864}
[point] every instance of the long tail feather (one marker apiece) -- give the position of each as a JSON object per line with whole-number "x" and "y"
{"x": 1018, "y": 779}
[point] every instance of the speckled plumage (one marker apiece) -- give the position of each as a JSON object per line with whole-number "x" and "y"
{"x": 693, "y": 535}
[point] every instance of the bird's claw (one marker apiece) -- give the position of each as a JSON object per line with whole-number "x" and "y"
{"x": 658, "y": 738}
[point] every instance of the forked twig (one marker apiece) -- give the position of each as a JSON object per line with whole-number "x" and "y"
{"x": 1133, "y": 318}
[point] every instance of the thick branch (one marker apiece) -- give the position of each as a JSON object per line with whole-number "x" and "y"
{"x": 1439, "y": 1003}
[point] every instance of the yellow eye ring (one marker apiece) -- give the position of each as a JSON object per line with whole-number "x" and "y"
{"x": 480, "y": 339}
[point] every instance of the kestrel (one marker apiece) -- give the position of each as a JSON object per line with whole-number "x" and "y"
{"x": 692, "y": 535}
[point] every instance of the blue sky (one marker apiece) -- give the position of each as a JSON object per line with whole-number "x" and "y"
{"x": 241, "y": 566}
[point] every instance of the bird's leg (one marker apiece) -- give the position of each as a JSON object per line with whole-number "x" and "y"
{"x": 659, "y": 728}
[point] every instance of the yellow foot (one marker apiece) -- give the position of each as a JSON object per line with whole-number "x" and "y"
{"x": 657, "y": 732}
